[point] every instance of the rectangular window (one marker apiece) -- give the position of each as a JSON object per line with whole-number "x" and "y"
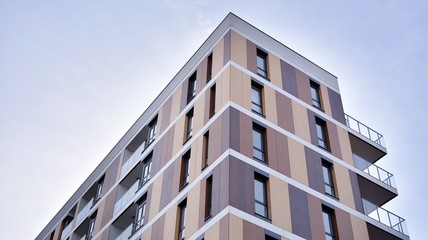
{"x": 209, "y": 67}
{"x": 260, "y": 195}
{"x": 212, "y": 100}
{"x": 327, "y": 172}
{"x": 267, "y": 237}
{"x": 191, "y": 88}
{"x": 139, "y": 215}
{"x": 152, "y": 130}
{"x": 189, "y": 125}
{"x": 262, "y": 63}
{"x": 322, "y": 134}
{"x": 316, "y": 96}
{"x": 208, "y": 197}
{"x": 329, "y": 223}
{"x": 205, "y": 149}
{"x": 147, "y": 169}
{"x": 181, "y": 233}
{"x": 99, "y": 190}
{"x": 184, "y": 179}
{"x": 91, "y": 228}
{"x": 259, "y": 143}
{"x": 256, "y": 98}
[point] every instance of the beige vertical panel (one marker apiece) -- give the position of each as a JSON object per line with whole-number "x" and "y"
{"x": 344, "y": 187}
{"x": 178, "y": 135}
{"x": 301, "y": 124}
{"x": 213, "y": 233}
{"x": 99, "y": 216}
{"x": 155, "y": 197}
{"x": 239, "y": 51}
{"x": 170, "y": 226}
{"x": 275, "y": 70}
{"x": 236, "y": 92}
{"x": 298, "y": 168}
{"x": 280, "y": 203}
{"x": 359, "y": 228}
{"x": 325, "y": 100}
{"x": 147, "y": 234}
{"x": 246, "y": 91}
{"x": 345, "y": 145}
{"x": 218, "y": 53}
{"x": 236, "y": 228}
{"x": 193, "y": 202}
{"x": 270, "y": 105}
{"x": 223, "y": 88}
{"x": 198, "y": 113}
{"x": 176, "y": 101}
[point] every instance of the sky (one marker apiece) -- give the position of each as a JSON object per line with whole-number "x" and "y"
{"x": 75, "y": 75}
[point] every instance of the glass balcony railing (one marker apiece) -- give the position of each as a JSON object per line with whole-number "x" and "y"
{"x": 84, "y": 212}
{"x": 364, "y": 130}
{"x": 134, "y": 158}
{"x": 374, "y": 171}
{"x": 125, "y": 234}
{"x": 385, "y": 217}
{"x": 67, "y": 230}
{"x": 126, "y": 197}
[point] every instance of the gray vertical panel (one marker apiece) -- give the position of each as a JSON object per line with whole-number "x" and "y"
{"x": 234, "y": 129}
{"x": 284, "y": 110}
{"x": 252, "y": 231}
{"x": 166, "y": 191}
{"x": 289, "y": 83}
{"x": 183, "y": 100}
{"x": 283, "y": 154}
{"x": 227, "y": 47}
{"x": 336, "y": 106}
{"x": 300, "y": 222}
{"x": 225, "y": 133}
{"x": 251, "y": 57}
{"x": 241, "y": 192}
{"x": 356, "y": 191}
{"x": 313, "y": 165}
{"x": 344, "y": 225}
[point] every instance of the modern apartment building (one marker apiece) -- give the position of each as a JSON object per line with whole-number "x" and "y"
{"x": 248, "y": 141}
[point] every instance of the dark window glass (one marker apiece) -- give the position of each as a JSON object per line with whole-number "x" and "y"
{"x": 256, "y": 98}
{"x": 327, "y": 172}
{"x": 267, "y": 237}
{"x": 91, "y": 228}
{"x": 205, "y": 153}
{"x": 185, "y": 169}
{"x": 322, "y": 134}
{"x": 147, "y": 169}
{"x": 259, "y": 143}
{"x": 152, "y": 131}
{"x": 315, "y": 93}
{"x": 260, "y": 196}
{"x": 212, "y": 100}
{"x": 182, "y": 221}
{"x": 329, "y": 223}
{"x": 262, "y": 63}
{"x": 209, "y": 67}
{"x": 191, "y": 90}
{"x": 99, "y": 190}
{"x": 189, "y": 124}
{"x": 139, "y": 215}
{"x": 208, "y": 197}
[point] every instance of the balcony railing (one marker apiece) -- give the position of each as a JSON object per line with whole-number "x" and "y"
{"x": 126, "y": 197}
{"x": 374, "y": 171}
{"x": 385, "y": 217}
{"x": 67, "y": 230}
{"x": 364, "y": 130}
{"x": 85, "y": 210}
{"x": 134, "y": 158}
{"x": 125, "y": 234}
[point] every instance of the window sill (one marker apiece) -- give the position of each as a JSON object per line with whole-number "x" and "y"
{"x": 208, "y": 218}
{"x": 212, "y": 114}
{"x": 203, "y": 168}
{"x": 261, "y": 161}
{"x": 260, "y": 114}
{"x": 187, "y": 139}
{"x": 325, "y": 149}
{"x": 332, "y": 196}
{"x": 263, "y": 218}
{"x": 182, "y": 187}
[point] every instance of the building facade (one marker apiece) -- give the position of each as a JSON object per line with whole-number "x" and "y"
{"x": 248, "y": 141}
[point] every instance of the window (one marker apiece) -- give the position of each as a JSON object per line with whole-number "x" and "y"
{"x": 52, "y": 235}
{"x": 322, "y": 134}
{"x": 316, "y": 96}
{"x": 212, "y": 101}
{"x": 182, "y": 220}
{"x": 267, "y": 237}
{"x": 189, "y": 125}
{"x": 184, "y": 179}
{"x": 91, "y": 228}
{"x": 99, "y": 190}
{"x": 205, "y": 149}
{"x": 209, "y": 67}
{"x": 208, "y": 197}
{"x": 191, "y": 89}
{"x": 329, "y": 223}
{"x": 139, "y": 215}
{"x": 259, "y": 140}
{"x": 152, "y": 131}
{"x": 256, "y": 98}
{"x": 262, "y": 63}
{"x": 260, "y": 195}
{"x": 327, "y": 172}
{"x": 147, "y": 169}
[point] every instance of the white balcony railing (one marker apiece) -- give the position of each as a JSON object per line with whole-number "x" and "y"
{"x": 125, "y": 234}
{"x": 364, "y": 130}
{"x": 374, "y": 171}
{"x": 385, "y": 217}
{"x": 126, "y": 197}
{"x": 67, "y": 230}
{"x": 134, "y": 158}
{"x": 84, "y": 212}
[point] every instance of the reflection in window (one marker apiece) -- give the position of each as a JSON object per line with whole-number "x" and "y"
{"x": 327, "y": 172}
{"x": 256, "y": 98}
{"x": 259, "y": 143}
{"x": 329, "y": 223}
{"x": 316, "y": 96}
{"x": 322, "y": 135}
{"x": 260, "y": 195}
{"x": 262, "y": 63}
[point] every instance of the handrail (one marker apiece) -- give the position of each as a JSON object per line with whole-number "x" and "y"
{"x": 364, "y": 130}
{"x": 374, "y": 171}
{"x": 84, "y": 211}
{"x": 125, "y": 234}
{"x": 385, "y": 217}
{"x": 67, "y": 230}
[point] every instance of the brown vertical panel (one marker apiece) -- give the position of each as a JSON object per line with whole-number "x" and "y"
{"x": 245, "y": 135}
{"x": 252, "y": 231}
{"x": 284, "y": 110}
{"x": 315, "y": 214}
{"x": 224, "y": 228}
{"x": 336, "y": 106}
{"x": 312, "y": 127}
{"x": 251, "y": 57}
{"x": 111, "y": 175}
{"x": 201, "y": 75}
{"x": 313, "y": 166}
{"x": 344, "y": 225}
{"x": 108, "y": 207}
{"x": 303, "y": 87}
{"x": 166, "y": 115}
{"x": 241, "y": 192}
{"x": 283, "y": 154}
{"x": 166, "y": 191}
{"x": 333, "y": 138}
{"x": 288, "y": 74}
{"x": 227, "y": 47}
{"x": 234, "y": 129}
{"x": 270, "y": 148}
{"x": 159, "y": 155}
{"x": 356, "y": 191}
{"x": 215, "y": 140}
{"x": 300, "y": 221}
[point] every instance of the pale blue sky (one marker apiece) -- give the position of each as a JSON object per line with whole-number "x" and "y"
{"x": 75, "y": 75}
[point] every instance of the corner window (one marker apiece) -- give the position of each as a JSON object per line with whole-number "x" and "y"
{"x": 260, "y": 195}
{"x": 212, "y": 100}
{"x": 185, "y": 170}
{"x": 206, "y": 141}
{"x": 208, "y": 197}
{"x": 139, "y": 215}
{"x": 259, "y": 143}
{"x": 262, "y": 63}
{"x": 329, "y": 223}
{"x": 209, "y": 67}
{"x": 181, "y": 233}
{"x": 327, "y": 172}
{"x": 191, "y": 88}
{"x": 322, "y": 134}
{"x": 316, "y": 95}
{"x": 189, "y": 125}
{"x": 147, "y": 169}
{"x": 256, "y": 98}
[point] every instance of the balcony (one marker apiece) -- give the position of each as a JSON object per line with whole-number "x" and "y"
{"x": 125, "y": 234}
{"x": 377, "y": 172}
{"x": 67, "y": 230}
{"x": 126, "y": 197}
{"x": 133, "y": 158}
{"x": 84, "y": 212}
{"x": 385, "y": 217}
{"x": 365, "y": 131}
